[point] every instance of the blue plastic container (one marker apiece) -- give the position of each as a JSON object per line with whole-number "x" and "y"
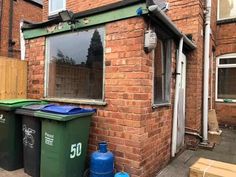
{"x": 102, "y": 162}
{"x": 122, "y": 174}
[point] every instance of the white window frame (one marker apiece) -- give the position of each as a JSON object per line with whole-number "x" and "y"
{"x": 77, "y": 100}
{"x": 218, "y": 13}
{"x": 218, "y": 65}
{"x": 55, "y": 11}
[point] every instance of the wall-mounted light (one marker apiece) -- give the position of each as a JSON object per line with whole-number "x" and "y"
{"x": 67, "y": 16}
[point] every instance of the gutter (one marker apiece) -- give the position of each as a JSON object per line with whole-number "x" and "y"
{"x": 10, "y": 44}
{"x": 154, "y": 9}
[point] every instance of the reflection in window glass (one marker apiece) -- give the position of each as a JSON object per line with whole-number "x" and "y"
{"x": 227, "y": 9}
{"x": 57, "y": 5}
{"x": 226, "y": 83}
{"x": 228, "y": 61}
{"x": 76, "y": 65}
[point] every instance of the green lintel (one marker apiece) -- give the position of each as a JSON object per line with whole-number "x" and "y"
{"x": 118, "y": 14}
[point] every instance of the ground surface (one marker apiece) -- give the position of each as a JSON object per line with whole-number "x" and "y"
{"x": 225, "y": 152}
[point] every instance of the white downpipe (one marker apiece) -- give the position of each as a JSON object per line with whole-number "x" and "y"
{"x": 177, "y": 86}
{"x": 206, "y": 69}
{"x": 22, "y": 42}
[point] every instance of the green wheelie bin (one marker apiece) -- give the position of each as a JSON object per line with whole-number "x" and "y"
{"x": 11, "y": 156}
{"x": 65, "y": 132}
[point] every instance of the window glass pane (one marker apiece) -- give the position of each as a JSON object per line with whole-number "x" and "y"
{"x": 57, "y": 5}
{"x": 161, "y": 75}
{"x": 227, "y": 9}
{"x": 226, "y": 83}
{"x": 76, "y": 65}
{"x": 228, "y": 61}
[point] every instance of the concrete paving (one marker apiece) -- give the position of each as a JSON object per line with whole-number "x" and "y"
{"x": 225, "y": 152}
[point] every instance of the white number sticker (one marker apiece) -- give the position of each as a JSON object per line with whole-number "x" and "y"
{"x": 75, "y": 150}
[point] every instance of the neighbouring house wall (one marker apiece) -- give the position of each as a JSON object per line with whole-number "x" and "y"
{"x": 78, "y": 5}
{"x": 226, "y": 44}
{"x": 22, "y": 10}
{"x": 189, "y": 18}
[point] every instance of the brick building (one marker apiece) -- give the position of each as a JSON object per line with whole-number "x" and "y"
{"x": 149, "y": 100}
{"x": 12, "y": 12}
{"x": 225, "y": 62}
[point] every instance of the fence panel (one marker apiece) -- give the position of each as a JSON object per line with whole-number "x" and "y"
{"x": 13, "y": 78}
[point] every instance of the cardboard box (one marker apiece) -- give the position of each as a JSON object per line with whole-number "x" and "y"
{"x": 211, "y": 168}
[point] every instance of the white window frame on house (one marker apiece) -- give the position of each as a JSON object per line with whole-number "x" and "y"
{"x": 218, "y": 13}
{"x": 55, "y": 11}
{"x": 71, "y": 100}
{"x": 218, "y": 65}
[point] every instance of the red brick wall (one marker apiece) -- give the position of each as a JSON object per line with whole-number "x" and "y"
{"x": 139, "y": 136}
{"x": 23, "y": 10}
{"x": 35, "y": 54}
{"x": 78, "y": 5}
{"x": 225, "y": 44}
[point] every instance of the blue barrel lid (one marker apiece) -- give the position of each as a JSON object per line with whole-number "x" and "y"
{"x": 65, "y": 109}
{"x": 122, "y": 174}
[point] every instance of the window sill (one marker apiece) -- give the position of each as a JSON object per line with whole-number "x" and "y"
{"x": 225, "y": 21}
{"x": 155, "y": 106}
{"x": 76, "y": 101}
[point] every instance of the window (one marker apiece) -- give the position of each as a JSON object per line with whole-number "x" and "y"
{"x": 225, "y": 78}
{"x": 56, "y": 6}
{"x": 162, "y": 70}
{"x": 226, "y": 9}
{"x": 74, "y": 65}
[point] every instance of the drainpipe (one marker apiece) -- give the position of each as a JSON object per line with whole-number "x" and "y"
{"x": 22, "y": 42}
{"x": 206, "y": 70}
{"x": 10, "y": 44}
{"x": 177, "y": 84}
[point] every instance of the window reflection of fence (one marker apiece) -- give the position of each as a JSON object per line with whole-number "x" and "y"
{"x": 74, "y": 81}
{"x": 13, "y": 78}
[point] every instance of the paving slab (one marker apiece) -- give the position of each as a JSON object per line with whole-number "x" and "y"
{"x": 225, "y": 152}
{"x": 16, "y": 173}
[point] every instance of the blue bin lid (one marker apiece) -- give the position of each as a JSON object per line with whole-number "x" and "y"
{"x": 65, "y": 109}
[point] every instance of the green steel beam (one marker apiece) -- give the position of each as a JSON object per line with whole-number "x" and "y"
{"x": 106, "y": 17}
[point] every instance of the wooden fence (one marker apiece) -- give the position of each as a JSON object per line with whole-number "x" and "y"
{"x": 13, "y": 78}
